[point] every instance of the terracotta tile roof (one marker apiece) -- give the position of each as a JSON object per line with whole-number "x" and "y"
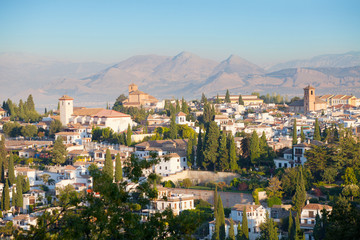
{"x": 110, "y": 114}
{"x": 316, "y": 206}
{"x": 86, "y": 111}
{"x": 181, "y": 114}
{"x": 309, "y": 87}
{"x": 67, "y": 133}
{"x": 240, "y": 207}
{"x": 66, "y": 97}
{"x": 69, "y": 167}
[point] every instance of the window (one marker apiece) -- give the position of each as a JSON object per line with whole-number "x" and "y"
{"x": 311, "y": 213}
{"x": 160, "y": 167}
{"x": 178, "y": 160}
{"x": 165, "y": 168}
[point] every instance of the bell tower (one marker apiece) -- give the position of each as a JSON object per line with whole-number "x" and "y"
{"x": 66, "y": 109}
{"x": 309, "y": 99}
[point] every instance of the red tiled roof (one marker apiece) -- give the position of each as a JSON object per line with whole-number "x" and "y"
{"x": 66, "y": 97}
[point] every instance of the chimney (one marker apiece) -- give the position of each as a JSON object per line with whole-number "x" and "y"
{"x": 307, "y": 202}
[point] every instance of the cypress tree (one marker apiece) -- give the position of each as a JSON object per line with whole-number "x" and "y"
{"x": 199, "y": 150}
{"x": 254, "y": 148}
{"x": 239, "y": 234}
{"x": 223, "y": 157}
{"x": 241, "y": 101}
{"x": 108, "y": 165}
{"x": 211, "y": 145}
{"x": 128, "y": 135}
{"x": 11, "y": 172}
{"x": 189, "y": 149}
{"x": 231, "y": 230}
{"x": 173, "y": 128}
{"x": 290, "y": 227}
{"x": 203, "y": 98}
{"x": 217, "y": 99}
{"x": 221, "y": 216}
{"x": 227, "y": 96}
{"x": 268, "y": 229}
{"x": 178, "y": 108}
{"x": 6, "y": 197}
{"x": 300, "y": 193}
{"x": 302, "y": 135}
{"x": 299, "y": 235}
{"x": 294, "y": 141}
{"x": 25, "y": 184}
{"x": 215, "y": 200}
{"x": 118, "y": 169}
{"x": 13, "y": 200}
{"x": 184, "y": 106}
{"x": 244, "y": 227}
{"x": 317, "y": 135}
{"x": 232, "y": 153}
{"x": 2, "y": 166}
{"x": 19, "y": 192}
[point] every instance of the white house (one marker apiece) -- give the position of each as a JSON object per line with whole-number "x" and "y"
{"x": 170, "y": 164}
{"x": 28, "y": 172}
{"x": 69, "y": 137}
{"x": 100, "y": 117}
{"x": 180, "y": 118}
{"x": 308, "y": 216}
{"x": 227, "y": 227}
{"x": 256, "y": 214}
{"x": 24, "y": 221}
{"x": 176, "y": 202}
{"x": 259, "y": 129}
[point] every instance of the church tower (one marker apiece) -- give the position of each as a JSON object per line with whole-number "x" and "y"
{"x": 66, "y": 109}
{"x": 133, "y": 87}
{"x": 309, "y": 99}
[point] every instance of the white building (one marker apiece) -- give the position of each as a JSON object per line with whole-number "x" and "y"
{"x": 259, "y": 129}
{"x": 100, "y": 117}
{"x": 180, "y": 118}
{"x": 256, "y": 215}
{"x": 227, "y": 227}
{"x": 24, "y": 221}
{"x": 308, "y": 217}
{"x": 176, "y": 202}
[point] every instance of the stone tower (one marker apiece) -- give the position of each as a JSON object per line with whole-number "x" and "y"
{"x": 309, "y": 99}
{"x": 66, "y": 109}
{"x": 133, "y": 87}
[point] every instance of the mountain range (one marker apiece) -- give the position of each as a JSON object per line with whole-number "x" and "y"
{"x": 184, "y": 75}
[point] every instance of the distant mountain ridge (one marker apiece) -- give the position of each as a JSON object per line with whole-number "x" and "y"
{"x": 185, "y": 74}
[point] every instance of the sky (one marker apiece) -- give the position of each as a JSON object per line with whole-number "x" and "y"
{"x": 264, "y": 32}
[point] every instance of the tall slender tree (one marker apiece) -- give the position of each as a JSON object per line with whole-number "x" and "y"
{"x": 223, "y": 157}
{"x": 189, "y": 151}
{"x": 254, "y": 148}
{"x": 118, "y": 169}
{"x": 244, "y": 226}
{"x": 227, "y": 96}
{"x": 173, "y": 128}
{"x": 11, "y": 172}
{"x": 290, "y": 227}
{"x": 302, "y": 135}
{"x": 231, "y": 230}
{"x": 59, "y": 151}
{"x": 300, "y": 192}
{"x": 6, "y": 197}
{"x": 241, "y": 101}
{"x": 19, "y": 192}
{"x": 294, "y": 141}
{"x": 239, "y": 234}
{"x": 211, "y": 145}
{"x": 128, "y": 135}
{"x": 232, "y": 153}
{"x": 221, "y": 217}
{"x": 317, "y": 134}
{"x": 199, "y": 150}
{"x": 108, "y": 165}
{"x": 268, "y": 229}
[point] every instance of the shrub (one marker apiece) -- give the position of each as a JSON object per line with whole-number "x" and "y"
{"x": 273, "y": 201}
{"x": 187, "y": 183}
{"x": 168, "y": 184}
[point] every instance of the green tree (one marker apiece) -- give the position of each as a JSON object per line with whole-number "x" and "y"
{"x": 294, "y": 134}
{"x": 300, "y": 193}
{"x": 254, "y": 149}
{"x": 349, "y": 177}
{"x": 220, "y": 218}
{"x": 241, "y": 101}
{"x": 227, "y": 96}
{"x": 223, "y": 157}
{"x": 217, "y": 101}
{"x": 55, "y": 126}
{"x": 173, "y": 128}
{"x": 211, "y": 145}
{"x": 274, "y": 188}
{"x": 291, "y": 227}
{"x": 11, "y": 172}
{"x": 203, "y": 98}
{"x": 351, "y": 190}
{"x": 189, "y": 151}
{"x": 299, "y": 234}
{"x": 199, "y": 150}
{"x": 13, "y": 195}
{"x": 118, "y": 169}
{"x": 268, "y": 229}
{"x": 29, "y": 131}
{"x": 244, "y": 225}
{"x": 108, "y": 165}
{"x": 128, "y": 136}
{"x": 19, "y": 192}
{"x": 321, "y": 225}
{"x": 329, "y": 175}
{"x": 184, "y": 106}
{"x": 231, "y": 230}
{"x": 302, "y": 135}
{"x": 317, "y": 134}
{"x": 26, "y": 184}
{"x": 6, "y": 197}
{"x": 59, "y": 152}
{"x": 232, "y": 153}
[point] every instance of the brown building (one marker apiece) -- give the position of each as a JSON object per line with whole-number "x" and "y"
{"x": 138, "y": 98}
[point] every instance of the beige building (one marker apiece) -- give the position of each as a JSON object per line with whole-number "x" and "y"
{"x": 138, "y": 98}
{"x": 333, "y": 100}
{"x": 311, "y": 102}
{"x": 247, "y": 99}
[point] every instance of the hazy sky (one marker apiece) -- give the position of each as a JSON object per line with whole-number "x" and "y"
{"x": 103, "y": 30}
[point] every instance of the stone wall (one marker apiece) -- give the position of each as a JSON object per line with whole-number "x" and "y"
{"x": 202, "y": 176}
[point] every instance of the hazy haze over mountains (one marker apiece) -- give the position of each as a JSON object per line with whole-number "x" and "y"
{"x": 186, "y": 74}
